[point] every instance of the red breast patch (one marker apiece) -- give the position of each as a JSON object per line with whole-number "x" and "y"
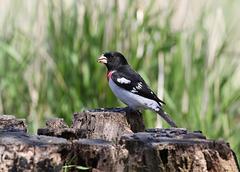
{"x": 109, "y": 75}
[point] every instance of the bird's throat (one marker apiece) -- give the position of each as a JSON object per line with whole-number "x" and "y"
{"x": 109, "y": 75}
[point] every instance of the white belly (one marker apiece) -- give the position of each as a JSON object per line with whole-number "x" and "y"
{"x": 133, "y": 100}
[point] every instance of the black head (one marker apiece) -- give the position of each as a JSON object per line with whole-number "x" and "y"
{"x": 113, "y": 60}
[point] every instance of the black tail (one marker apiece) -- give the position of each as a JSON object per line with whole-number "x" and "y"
{"x": 167, "y": 118}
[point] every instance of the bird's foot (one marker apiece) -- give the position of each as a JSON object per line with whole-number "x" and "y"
{"x": 131, "y": 109}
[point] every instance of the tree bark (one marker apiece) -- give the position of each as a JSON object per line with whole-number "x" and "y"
{"x": 108, "y": 124}
{"x": 10, "y": 123}
{"x": 110, "y": 140}
{"x": 177, "y": 150}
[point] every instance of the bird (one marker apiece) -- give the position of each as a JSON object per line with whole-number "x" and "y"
{"x": 130, "y": 87}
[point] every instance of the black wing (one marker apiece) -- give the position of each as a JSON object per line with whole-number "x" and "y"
{"x": 137, "y": 84}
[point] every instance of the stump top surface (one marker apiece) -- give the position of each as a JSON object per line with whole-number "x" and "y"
{"x": 6, "y": 117}
{"x": 32, "y": 139}
{"x": 168, "y": 135}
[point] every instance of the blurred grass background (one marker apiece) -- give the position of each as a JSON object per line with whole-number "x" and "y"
{"x": 187, "y": 51}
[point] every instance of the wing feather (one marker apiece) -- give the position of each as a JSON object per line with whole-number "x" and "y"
{"x": 136, "y": 85}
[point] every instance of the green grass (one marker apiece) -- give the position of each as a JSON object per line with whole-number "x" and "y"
{"x": 48, "y": 60}
{"x": 68, "y": 166}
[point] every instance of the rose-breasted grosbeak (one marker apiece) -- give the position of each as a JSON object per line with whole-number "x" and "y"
{"x": 130, "y": 87}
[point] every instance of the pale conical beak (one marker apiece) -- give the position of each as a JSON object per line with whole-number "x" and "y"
{"x": 102, "y": 59}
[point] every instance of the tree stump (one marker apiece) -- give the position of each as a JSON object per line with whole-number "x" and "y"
{"x": 94, "y": 141}
{"x": 20, "y": 151}
{"x": 10, "y": 123}
{"x": 100, "y": 155}
{"x": 177, "y": 149}
{"x": 108, "y": 124}
{"x": 58, "y": 127}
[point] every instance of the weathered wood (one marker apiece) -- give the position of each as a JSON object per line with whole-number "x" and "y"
{"x": 10, "y": 123}
{"x": 56, "y": 123}
{"x": 100, "y": 155}
{"x": 177, "y": 149}
{"x": 6, "y": 117}
{"x": 108, "y": 124}
{"x": 58, "y": 127}
{"x": 67, "y": 133}
{"x": 134, "y": 118}
{"x": 20, "y": 151}
{"x": 170, "y": 149}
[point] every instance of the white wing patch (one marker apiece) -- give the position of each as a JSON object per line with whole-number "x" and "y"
{"x": 134, "y": 90}
{"x": 123, "y": 80}
{"x": 139, "y": 86}
{"x": 133, "y": 100}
